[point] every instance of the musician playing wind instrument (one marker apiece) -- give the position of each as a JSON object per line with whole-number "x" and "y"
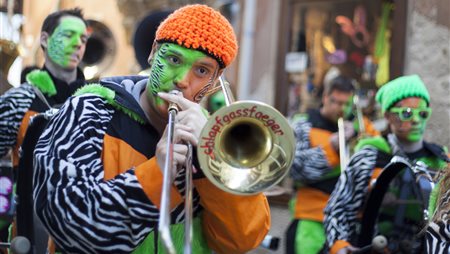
{"x": 63, "y": 40}
{"x": 405, "y": 103}
{"x": 99, "y": 163}
{"x": 316, "y": 166}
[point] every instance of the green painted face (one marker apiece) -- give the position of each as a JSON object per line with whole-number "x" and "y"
{"x": 413, "y": 119}
{"x": 170, "y": 65}
{"x": 63, "y": 42}
{"x": 348, "y": 108}
{"x": 217, "y": 101}
{"x": 416, "y": 132}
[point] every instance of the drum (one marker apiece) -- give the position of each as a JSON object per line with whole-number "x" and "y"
{"x": 397, "y": 207}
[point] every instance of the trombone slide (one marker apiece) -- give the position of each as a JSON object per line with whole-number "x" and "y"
{"x": 164, "y": 216}
{"x": 343, "y": 155}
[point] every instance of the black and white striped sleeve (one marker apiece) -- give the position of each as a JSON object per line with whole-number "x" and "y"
{"x": 13, "y": 106}
{"x": 310, "y": 163}
{"x": 438, "y": 237}
{"x": 83, "y": 212}
{"x": 348, "y": 196}
{"x": 437, "y": 234}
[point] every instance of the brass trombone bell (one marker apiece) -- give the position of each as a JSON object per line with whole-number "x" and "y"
{"x": 9, "y": 51}
{"x": 246, "y": 147}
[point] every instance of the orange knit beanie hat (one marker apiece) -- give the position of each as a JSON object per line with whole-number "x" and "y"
{"x": 202, "y": 28}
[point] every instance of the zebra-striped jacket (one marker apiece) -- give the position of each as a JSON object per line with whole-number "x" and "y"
{"x": 18, "y": 104}
{"x": 347, "y": 199}
{"x": 315, "y": 169}
{"x": 437, "y": 234}
{"x": 98, "y": 184}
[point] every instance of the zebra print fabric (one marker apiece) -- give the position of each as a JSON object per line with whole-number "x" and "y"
{"x": 13, "y": 106}
{"x": 348, "y": 196}
{"x": 437, "y": 234}
{"x": 310, "y": 163}
{"x": 438, "y": 237}
{"x": 83, "y": 212}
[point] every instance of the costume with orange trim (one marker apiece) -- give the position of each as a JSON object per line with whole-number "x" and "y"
{"x": 63, "y": 41}
{"x": 315, "y": 171}
{"x": 346, "y": 203}
{"x": 18, "y": 105}
{"x": 438, "y": 228}
{"x": 106, "y": 185}
{"x": 343, "y": 211}
{"x": 98, "y": 176}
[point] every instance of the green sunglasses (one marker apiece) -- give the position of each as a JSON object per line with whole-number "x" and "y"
{"x": 407, "y": 114}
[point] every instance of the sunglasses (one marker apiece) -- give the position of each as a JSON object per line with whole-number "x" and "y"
{"x": 407, "y": 114}
{"x": 348, "y": 102}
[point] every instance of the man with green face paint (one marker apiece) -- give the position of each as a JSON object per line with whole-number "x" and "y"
{"x": 316, "y": 167}
{"x": 100, "y": 160}
{"x": 63, "y": 45}
{"x": 63, "y": 40}
{"x": 405, "y": 103}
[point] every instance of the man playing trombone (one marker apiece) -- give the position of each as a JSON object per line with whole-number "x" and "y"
{"x": 99, "y": 163}
{"x": 316, "y": 166}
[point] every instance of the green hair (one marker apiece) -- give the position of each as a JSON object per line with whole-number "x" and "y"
{"x": 109, "y": 95}
{"x": 43, "y": 81}
{"x": 378, "y": 142}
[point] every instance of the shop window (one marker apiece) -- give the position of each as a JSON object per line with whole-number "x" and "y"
{"x": 329, "y": 38}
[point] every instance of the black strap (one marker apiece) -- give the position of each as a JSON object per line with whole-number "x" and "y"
{"x": 382, "y": 184}
{"x": 155, "y": 238}
{"x": 41, "y": 96}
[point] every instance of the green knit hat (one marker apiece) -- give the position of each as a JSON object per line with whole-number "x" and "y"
{"x": 399, "y": 89}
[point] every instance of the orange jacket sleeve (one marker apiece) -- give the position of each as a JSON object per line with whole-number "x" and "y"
{"x": 319, "y": 137}
{"x": 232, "y": 223}
{"x": 338, "y": 245}
{"x": 369, "y": 128}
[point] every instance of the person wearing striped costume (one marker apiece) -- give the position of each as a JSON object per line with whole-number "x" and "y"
{"x": 63, "y": 41}
{"x": 98, "y": 175}
{"x": 437, "y": 233}
{"x": 405, "y": 103}
{"x": 316, "y": 166}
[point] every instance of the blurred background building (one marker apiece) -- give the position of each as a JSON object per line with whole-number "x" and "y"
{"x": 289, "y": 49}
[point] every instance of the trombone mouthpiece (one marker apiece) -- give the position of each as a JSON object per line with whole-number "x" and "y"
{"x": 173, "y": 106}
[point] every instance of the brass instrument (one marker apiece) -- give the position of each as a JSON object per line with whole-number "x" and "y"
{"x": 343, "y": 153}
{"x": 101, "y": 49}
{"x": 345, "y": 149}
{"x": 164, "y": 216}
{"x": 9, "y": 51}
{"x": 359, "y": 115}
{"x": 245, "y": 148}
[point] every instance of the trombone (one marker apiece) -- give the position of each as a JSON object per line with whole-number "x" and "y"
{"x": 344, "y": 148}
{"x": 245, "y": 148}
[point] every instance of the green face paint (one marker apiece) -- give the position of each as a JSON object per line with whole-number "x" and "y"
{"x": 217, "y": 101}
{"x": 63, "y": 42}
{"x": 348, "y": 108}
{"x": 170, "y": 65}
{"x": 419, "y": 115}
{"x": 416, "y": 132}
